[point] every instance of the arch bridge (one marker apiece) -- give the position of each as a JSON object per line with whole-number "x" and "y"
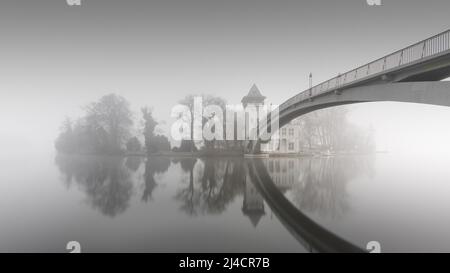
{"x": 412, "y": 74}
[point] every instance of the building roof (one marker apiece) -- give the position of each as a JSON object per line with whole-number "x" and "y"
{"x": 253, "y": 96}
{"x": 254, "y": 215}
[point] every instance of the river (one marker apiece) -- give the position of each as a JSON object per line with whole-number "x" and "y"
{"x": 162, "y": 204}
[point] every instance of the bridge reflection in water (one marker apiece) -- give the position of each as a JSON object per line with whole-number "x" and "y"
{"x": 211, "y": 187}
{"x": 311, "y": 235}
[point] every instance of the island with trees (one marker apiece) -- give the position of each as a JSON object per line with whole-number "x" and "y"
{"x": 109, "y": 127}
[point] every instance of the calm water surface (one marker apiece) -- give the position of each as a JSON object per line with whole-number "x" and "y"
{"x": 193, "y": 205}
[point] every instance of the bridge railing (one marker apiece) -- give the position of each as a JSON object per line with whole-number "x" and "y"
{"x": 421, "y": 50}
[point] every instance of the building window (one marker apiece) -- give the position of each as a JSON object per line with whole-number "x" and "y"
{"x": 283, "y": 131}
{"x": 291, "y": 131}
{"x": 291, "y": 146}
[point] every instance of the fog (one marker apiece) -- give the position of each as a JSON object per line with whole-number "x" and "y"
{"x": 56, "y": 59}
{"x": 406, "y": 128}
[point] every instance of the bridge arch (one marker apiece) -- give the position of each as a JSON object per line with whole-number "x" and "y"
{"x": 433, "y": 93}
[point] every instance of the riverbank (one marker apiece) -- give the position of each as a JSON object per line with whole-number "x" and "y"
{"x": 191, "y": 154}
{"x": 214, "y": 154}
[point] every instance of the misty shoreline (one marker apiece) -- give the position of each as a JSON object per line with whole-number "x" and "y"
{"x": 204, "y": 154}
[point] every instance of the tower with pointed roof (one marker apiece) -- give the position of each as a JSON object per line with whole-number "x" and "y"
{"x": 253, "y": 204}
{"x": 254, "y": 97}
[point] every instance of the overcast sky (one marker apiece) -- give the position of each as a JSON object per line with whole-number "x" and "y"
{"x": 55, "y": 58}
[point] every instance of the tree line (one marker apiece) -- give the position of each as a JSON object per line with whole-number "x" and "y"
{"x": 107, "y": 124}
{"x": 106, "y": 128}
{"x": 330, "y": 129}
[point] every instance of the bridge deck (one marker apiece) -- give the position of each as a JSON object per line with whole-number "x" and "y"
{"x": 416, "y": 54}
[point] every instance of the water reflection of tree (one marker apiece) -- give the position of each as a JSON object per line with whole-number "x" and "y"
{"x": 153, "y": 167}
{"x": 105, "y": 180}
{"x": 322, "y": 183}
{"x": 187, "y": 195}
{"x": 211, "y": 184}
{"x": 133, "y": 163}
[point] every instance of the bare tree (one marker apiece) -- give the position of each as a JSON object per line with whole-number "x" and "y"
{"x": 149, "y": 127}
{"x": 104, "y": 128}
{"x": 112, "y": 115}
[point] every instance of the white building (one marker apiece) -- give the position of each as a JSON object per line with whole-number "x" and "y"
{"x": 288, "y": 140}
